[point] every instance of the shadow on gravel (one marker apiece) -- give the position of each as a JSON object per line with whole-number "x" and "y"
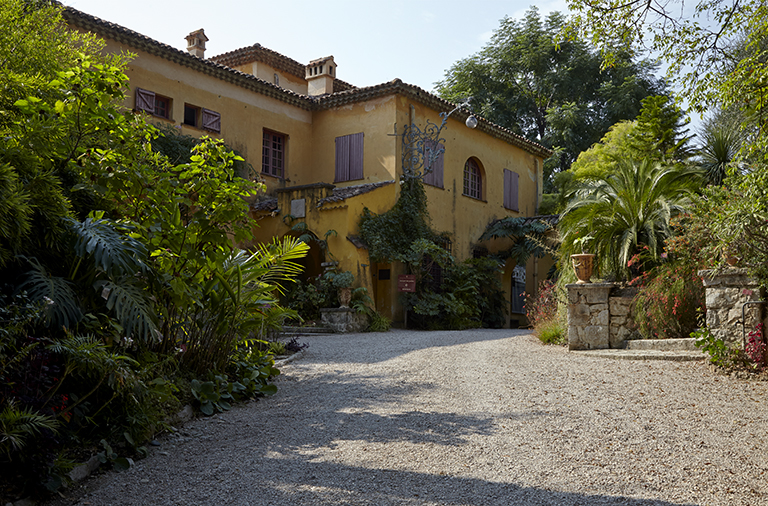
{"x": 331, "y": 484}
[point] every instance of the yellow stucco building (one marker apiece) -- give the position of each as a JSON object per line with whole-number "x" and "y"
{"x": 327, "y": 149}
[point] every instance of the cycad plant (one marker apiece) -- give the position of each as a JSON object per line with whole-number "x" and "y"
{"x": 627, "y": 213}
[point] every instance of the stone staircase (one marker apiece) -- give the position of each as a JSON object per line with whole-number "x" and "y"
{"x": 652, "y": 349}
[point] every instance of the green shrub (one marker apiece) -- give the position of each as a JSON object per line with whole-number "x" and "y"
{"x": 718, "y": 350}
{"x": 546, "y": 313}
{"x": 552, "y": 331}
{"x": 669, "y": 303}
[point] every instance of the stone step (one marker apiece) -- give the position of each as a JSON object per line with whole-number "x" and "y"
{"x": 289, "y": 331}
{"x": 684, "y": 344}
{"x": 678, "y": 356}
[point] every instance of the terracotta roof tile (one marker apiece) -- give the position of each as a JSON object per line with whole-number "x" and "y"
{"x": 434, "y": 102}
{"x": 268, "y": 204}
{"x": 344, "y": 93}
{"x": 151, "y": 46}
{"x": 345, "y": 192}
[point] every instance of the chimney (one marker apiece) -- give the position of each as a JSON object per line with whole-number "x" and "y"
{"x": 320, "y": 76}
{"x": 196, "y": 43}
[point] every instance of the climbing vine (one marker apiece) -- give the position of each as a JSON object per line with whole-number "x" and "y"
{"x": 464, "y": 295}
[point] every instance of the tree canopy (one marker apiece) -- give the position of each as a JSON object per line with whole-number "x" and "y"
{"x": 549, "y": 92}
{"x": 657, "y": 134}
{"x": 716, "y": 51}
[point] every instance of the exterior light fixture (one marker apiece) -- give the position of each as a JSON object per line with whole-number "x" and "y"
{"x": 421, "y": 148}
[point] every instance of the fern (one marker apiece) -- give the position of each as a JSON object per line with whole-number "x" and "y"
{"x": 131, "y": 306}
{"x": 56, "y": 294}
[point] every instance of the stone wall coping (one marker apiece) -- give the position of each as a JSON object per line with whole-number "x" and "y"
{"x": 730, "y": 276}
{"x": 592, "y": 286}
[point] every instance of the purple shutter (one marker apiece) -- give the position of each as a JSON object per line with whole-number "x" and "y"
{"x": 349, "y": 157}
{"x": 356, "y": 156}
{"x": 511, "y": 189}
{"x": 211, "y": 120}
{"x": 342, "y": 159}
{"x": 145, "y": 100}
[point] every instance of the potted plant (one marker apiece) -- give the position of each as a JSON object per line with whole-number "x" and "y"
{"x": 342, "y": 282}
{"x": 583, "y": 263}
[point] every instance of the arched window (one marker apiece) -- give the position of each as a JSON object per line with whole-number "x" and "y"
{"x": 473, "y": 181}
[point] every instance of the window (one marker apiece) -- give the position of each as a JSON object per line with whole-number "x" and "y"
{"x": 349, "y": 157}
{"x": 202, "y": 118}
{"x": 518, "y": 290}
{"x": 191, "y": 115}
{"x": 152, "y": 103}
{"x": 273, "y": 154}
{"x": 435, "y": 176}
{"x": 511, "y": 189}
{"x": 472, "y": 180}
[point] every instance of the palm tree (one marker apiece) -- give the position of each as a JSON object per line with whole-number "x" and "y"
{"x": 626, "y": 211}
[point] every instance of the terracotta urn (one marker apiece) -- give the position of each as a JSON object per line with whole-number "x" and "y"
{"x": 345, "y": 296}
{"x": 583, "y": 264}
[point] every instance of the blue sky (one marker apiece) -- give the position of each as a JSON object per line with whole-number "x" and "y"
{"x": 372, "y": 41}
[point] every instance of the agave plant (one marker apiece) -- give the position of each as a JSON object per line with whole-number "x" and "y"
{"x": 627, "y": 211}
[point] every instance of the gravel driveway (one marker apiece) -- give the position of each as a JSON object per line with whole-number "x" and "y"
{"x": 482, "y": 417}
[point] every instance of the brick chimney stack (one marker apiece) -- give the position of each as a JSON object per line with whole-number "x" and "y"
{"x": 196, "y": 43}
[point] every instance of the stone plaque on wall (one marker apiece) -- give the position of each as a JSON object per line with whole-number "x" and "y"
{"x": 298, "y": 208}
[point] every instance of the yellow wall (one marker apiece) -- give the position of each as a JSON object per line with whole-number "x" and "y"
{"x": 465, "y": 217}
{"x": 310, "y": 158}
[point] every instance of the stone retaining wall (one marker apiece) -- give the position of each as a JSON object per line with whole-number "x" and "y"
{"x": 599, "y": 316}
{"x": 344, "y": 320}
{"x": 726, "y": 293}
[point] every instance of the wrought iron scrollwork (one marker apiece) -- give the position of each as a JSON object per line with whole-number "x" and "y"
{"x": 422, "y": 147}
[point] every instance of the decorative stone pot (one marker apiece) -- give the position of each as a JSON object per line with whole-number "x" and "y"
{"x": 583, "y": 264}
{"x": 345, "y": 296}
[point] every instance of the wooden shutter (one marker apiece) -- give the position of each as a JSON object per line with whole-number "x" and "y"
{"x": 349, "y": 157}
{"x": 356, "y": 156}
{"x": 511, "y": 189}
{"x": 211, "y": 120}
{"x": 342, "y": 159}
{"x": 435, "y": 177}
{"x": 145, "y": 100}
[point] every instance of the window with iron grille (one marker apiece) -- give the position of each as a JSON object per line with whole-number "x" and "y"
{"x": 518, "y": 290}
{"x": 273, "y": 154}
{"x": 472, "y": 180}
